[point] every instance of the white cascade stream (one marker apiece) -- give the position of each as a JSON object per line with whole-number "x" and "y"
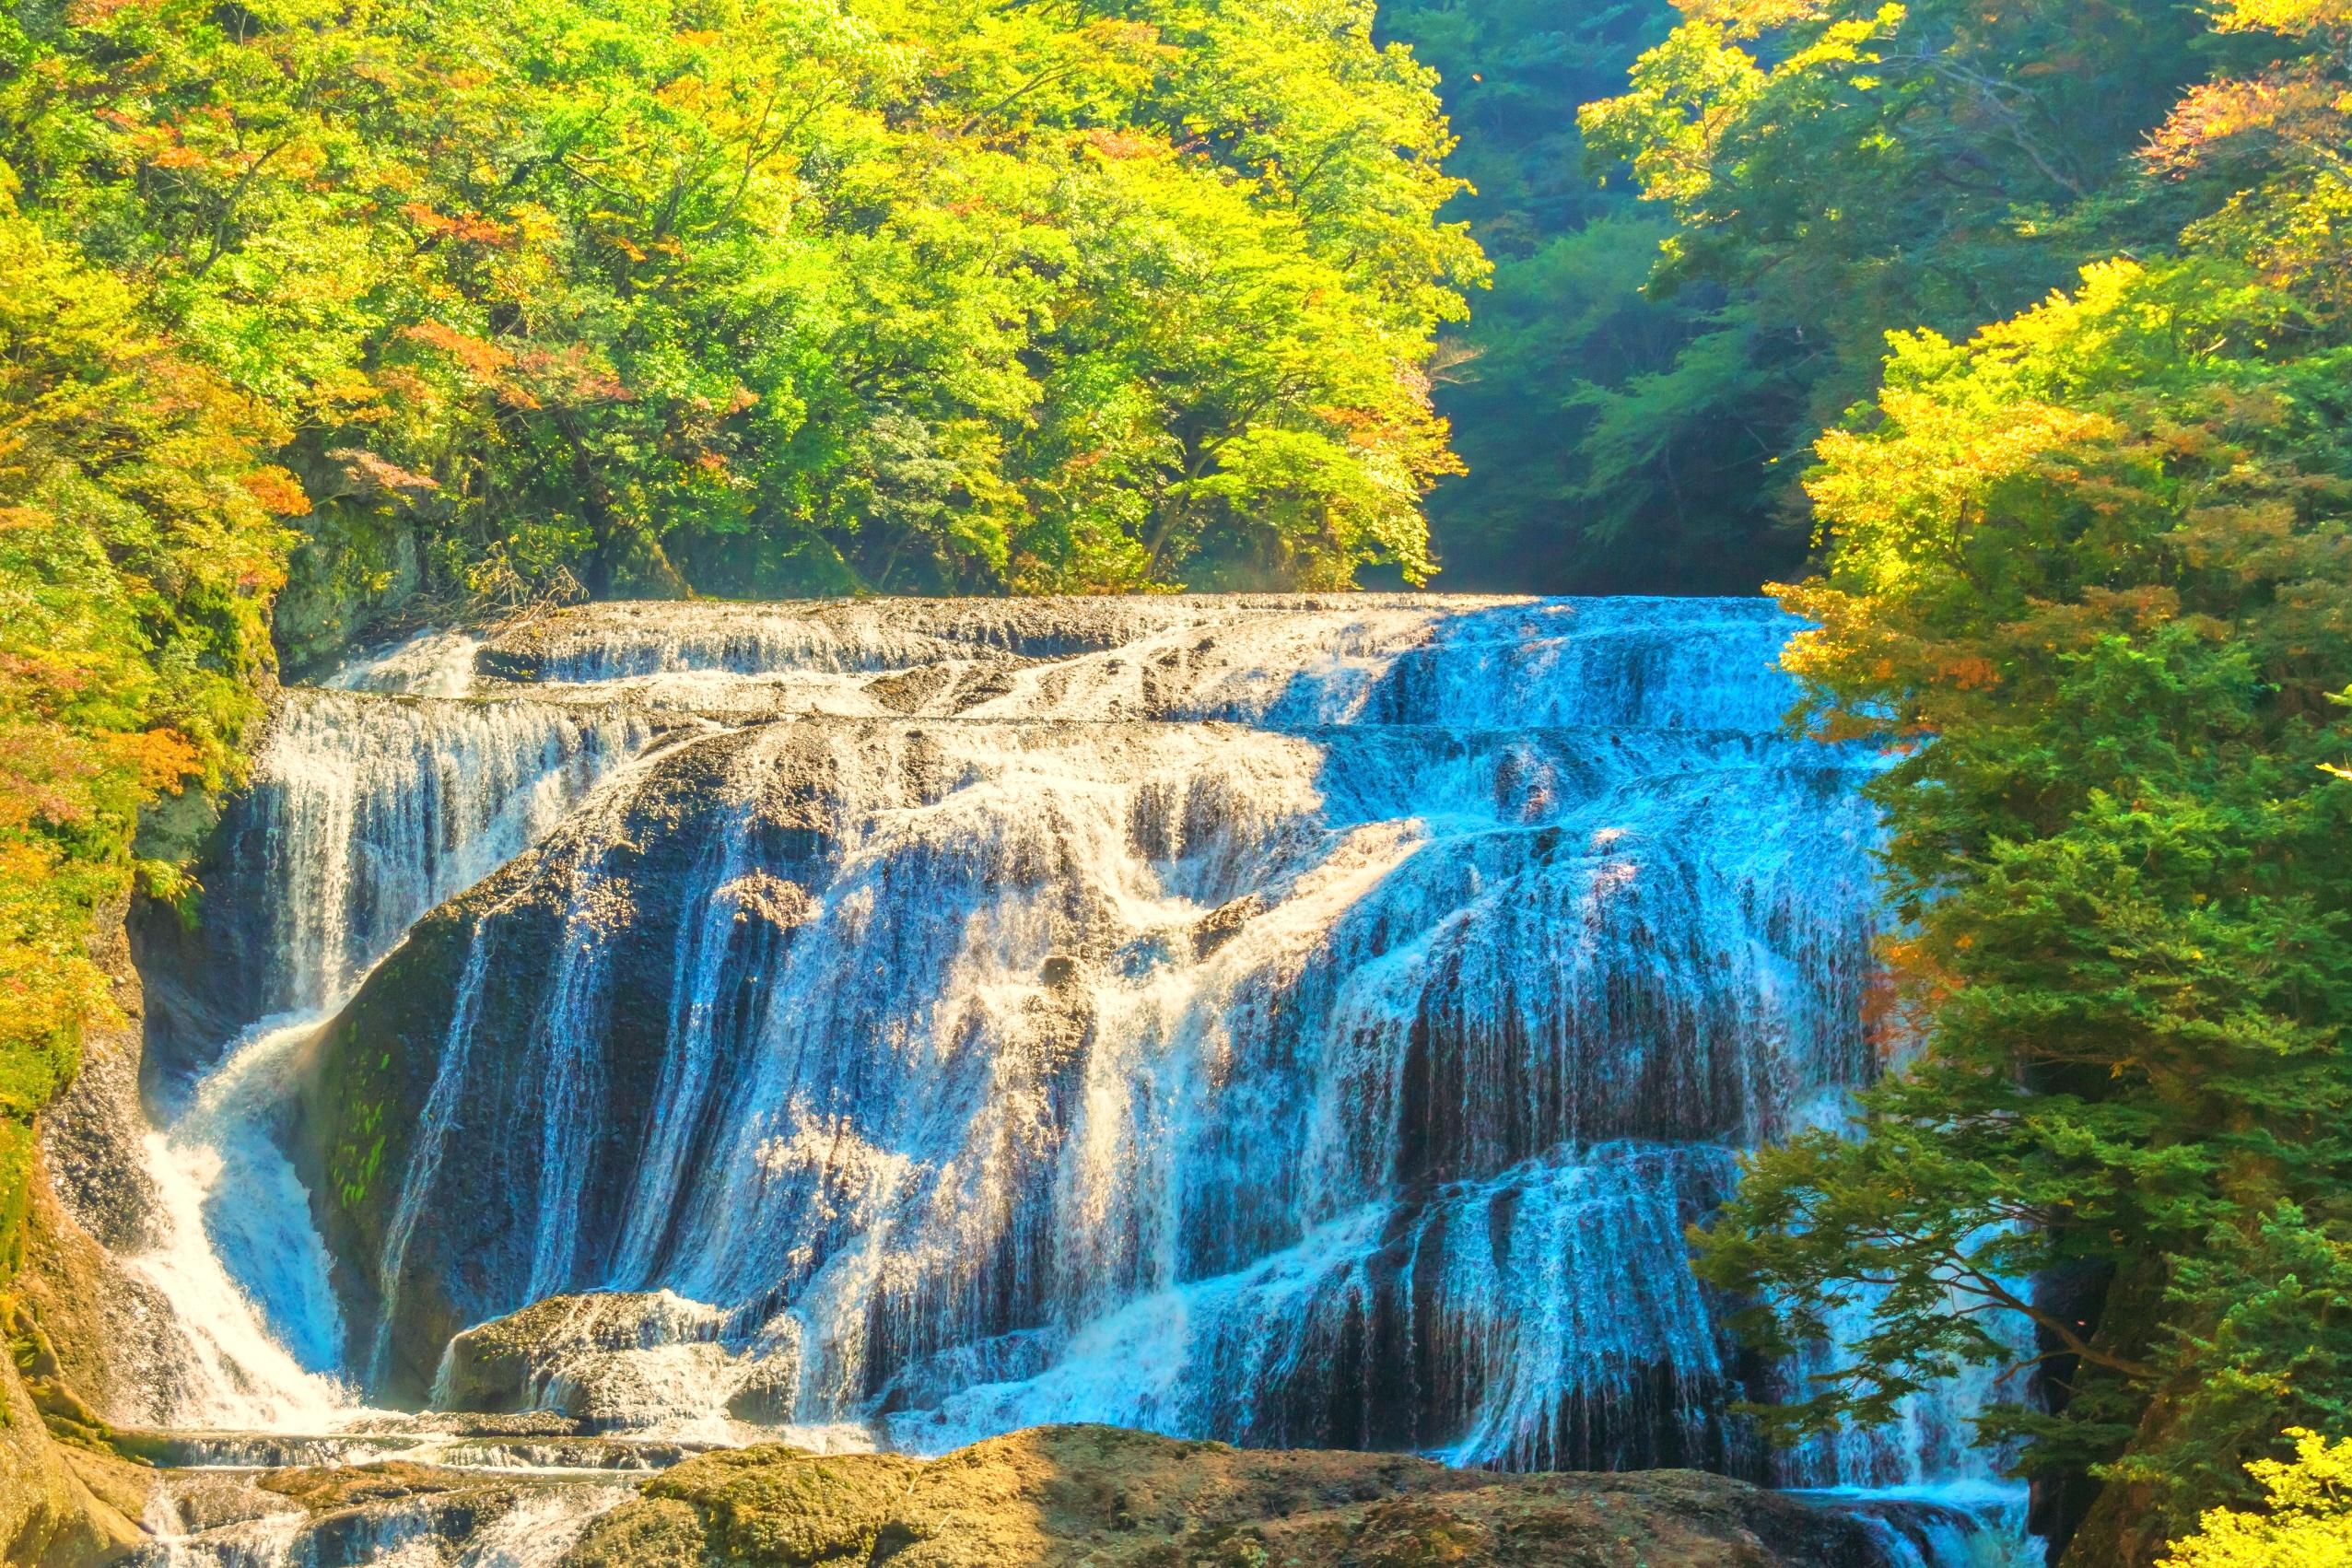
{"x": 363, "y": 815}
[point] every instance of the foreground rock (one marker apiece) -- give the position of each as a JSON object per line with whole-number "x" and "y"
{"x": 1098, "y": 1495}
{"x": 56, "y": 1503}
{"x": 613, "y": 1361}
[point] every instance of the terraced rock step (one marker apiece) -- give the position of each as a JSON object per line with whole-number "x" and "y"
{"x": 474, "y": 1446}
{"x": 342, "y": 1516}
{"x": 1048, "y": 1497}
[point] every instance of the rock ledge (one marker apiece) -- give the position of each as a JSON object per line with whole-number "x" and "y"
{"x": 1055, "y": 1497}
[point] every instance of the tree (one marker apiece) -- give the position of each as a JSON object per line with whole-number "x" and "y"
{"x": 1617, "y": 437}
{"x": 2306, "y": 1519}
{"x": 140, "y": 539}
{"x": 2087, "y": 583}
{"x": 761, "y": 296}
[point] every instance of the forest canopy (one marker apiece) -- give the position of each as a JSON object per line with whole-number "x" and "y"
{"x": 318, "y": 320}
{"x": 783, "y": 295}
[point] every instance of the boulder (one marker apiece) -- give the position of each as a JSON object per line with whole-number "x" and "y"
{"x": 612, "y": 1362}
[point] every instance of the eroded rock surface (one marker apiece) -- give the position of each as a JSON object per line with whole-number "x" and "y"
{"x": 1098, "y": 1495}
{"x": 608, "y": 1363}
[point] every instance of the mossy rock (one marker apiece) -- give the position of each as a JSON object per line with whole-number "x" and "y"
{"x": 327, "y": 1489}
{"x": 1057, "y": 1497}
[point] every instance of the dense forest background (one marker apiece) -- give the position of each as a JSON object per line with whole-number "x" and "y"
{"x": 2024, "y": 327}
{"x": 1618, "y": 438}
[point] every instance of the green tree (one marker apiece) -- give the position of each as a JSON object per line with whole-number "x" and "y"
{"x": 2089, "y": 583}
{"x": 140, "y": 539}
{"x": 1617, "y": 436}
{"x": 757, "y": 296}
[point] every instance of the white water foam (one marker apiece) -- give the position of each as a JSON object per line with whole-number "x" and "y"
{"x": 436, "y": 663}
{"x": 240, "y": 1262}
{"x": 370, "y": 811}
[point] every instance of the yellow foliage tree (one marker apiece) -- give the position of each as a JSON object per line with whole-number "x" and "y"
{"x": 2293, "y": 16}
{"x": 2306, "y": 1522}
{"x": 140, "y": 542}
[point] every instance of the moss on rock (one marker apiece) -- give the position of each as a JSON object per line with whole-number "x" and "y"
{"x": 1055, "y": 1497}
{"x": 49, "y": 1514}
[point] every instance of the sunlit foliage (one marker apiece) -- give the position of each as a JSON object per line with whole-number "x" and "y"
{"x": 2089, "y": 582}
{"x": 140, "y": 539}
{"x": 2305, "y": 1522}
{"x": 763, "y": 295}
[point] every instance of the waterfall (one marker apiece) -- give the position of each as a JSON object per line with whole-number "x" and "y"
{"x": 238, "y": 1259}
{"x": 1297, "y": 1021}
{"x": 369, "y": 812}
{"x": 529, "y": 1526}
{"x": 363, "y": 812}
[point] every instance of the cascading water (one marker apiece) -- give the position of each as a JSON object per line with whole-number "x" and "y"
{"x": 363, "y": 812}
{"x": 237, "y": 1260}
{"x": 1300, "y": 1022}
{"x": 370, "y": 812}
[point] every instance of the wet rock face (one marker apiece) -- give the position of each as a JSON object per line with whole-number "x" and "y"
{"x": 610, "y": 1363}
{"x": 203, "y": 978}
{"x": 913, "y": 643}
{"x": 429, "y": 1200}
{"x": 90, "y": 1135}
{"x": 1068, "y": 1495}
{"x": 364, "y": 812}
{"x": 91, "y": 1145}
{"x": 96, "y": 1337}
{"x": 459, "y": 1442}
